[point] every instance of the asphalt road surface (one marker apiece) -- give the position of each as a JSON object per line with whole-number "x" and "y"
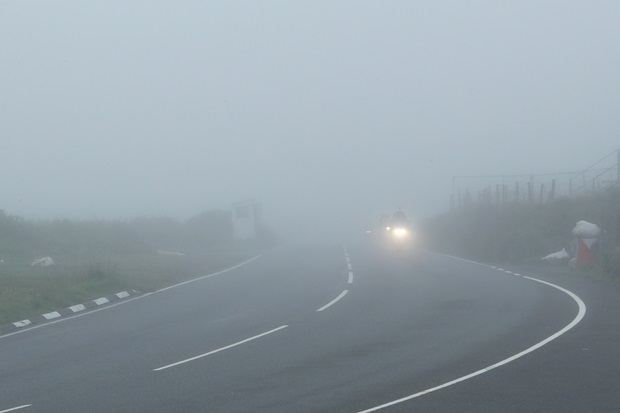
{"x": 331, "y": 329}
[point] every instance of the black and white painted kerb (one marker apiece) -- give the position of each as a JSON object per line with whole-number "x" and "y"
{"x": 67, "y": 311}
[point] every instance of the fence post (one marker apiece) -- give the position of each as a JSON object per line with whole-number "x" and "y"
{"x": 452, "y": 200}
{"x": 517, "y": 195}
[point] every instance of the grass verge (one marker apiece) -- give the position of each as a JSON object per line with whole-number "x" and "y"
{"x": 27, "y": 291}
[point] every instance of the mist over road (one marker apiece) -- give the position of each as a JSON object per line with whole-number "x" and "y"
{"x": 302, "y": 328}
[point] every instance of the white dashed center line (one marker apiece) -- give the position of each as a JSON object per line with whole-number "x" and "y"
{"x": 334, "y": 301}
{"x": 350, "y": 277}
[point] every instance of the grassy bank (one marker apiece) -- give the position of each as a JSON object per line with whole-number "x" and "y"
{"x": 98, "y": 258}
{"x": 525, "y": 233}
{"x": 27, "y": 291}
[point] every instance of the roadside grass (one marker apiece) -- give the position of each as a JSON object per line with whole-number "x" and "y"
{"x": 27, "y": 291}
{"x": 523, "y": 234}
{"x": 98, "y": 258}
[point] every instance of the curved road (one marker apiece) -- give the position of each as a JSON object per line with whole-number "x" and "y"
{"x": 300, "y": 329}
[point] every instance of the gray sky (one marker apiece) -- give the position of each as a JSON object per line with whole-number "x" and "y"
{"x": 116, "y": 109}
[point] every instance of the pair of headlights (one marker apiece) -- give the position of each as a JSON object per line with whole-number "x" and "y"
{"x": 398, "y": 232}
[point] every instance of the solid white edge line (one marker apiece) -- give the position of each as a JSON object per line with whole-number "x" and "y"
{"x": 12, "y": 409}
{"x": 350, "y": 277}
{"x": 96, "y": 310}
{"x": 93, "y": 311}
{"x": 219, "y": 349}
{"x": 342, "y": 294}
{"x": 208, "y": 275}
{"x": 580, "y": 314}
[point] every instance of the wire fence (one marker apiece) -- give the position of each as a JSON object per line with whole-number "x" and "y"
{"x": 535, "y": 188}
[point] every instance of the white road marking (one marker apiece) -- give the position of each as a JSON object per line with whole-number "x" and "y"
{"x": 122, "y": 294}
{"x": 517, "y": 274}
{"x": 22, "y": 323}
{"x": 66, "y": 318}
{"x": 508, "y": 272}
{"x": 101, "y": 301}
{"x": 350, "y": 277}
{"x": 347, "y": 258}
{"x": 580, "y": 314}
{"x": 349, "y": 266}
{"x": 77, "y": 308}
{"x": 12, "y": 409}
{"x": 96, "y": 310}
{"x": 334, "y": 301}
{"x": 501, "y": 269}
{"x": 209, "y": 275}
{"x": 493, "y": 267}
{"x": 219, "y": 349}
{"x": 52, "y": 315}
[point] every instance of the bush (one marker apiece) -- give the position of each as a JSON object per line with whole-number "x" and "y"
{"x": 520, "y": 233}
{"x": 611, "y": 262}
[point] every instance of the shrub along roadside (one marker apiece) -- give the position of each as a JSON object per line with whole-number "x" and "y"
{"x": 524, "y": 233}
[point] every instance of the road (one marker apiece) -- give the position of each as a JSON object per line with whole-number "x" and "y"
{"x": 322, "y": 329}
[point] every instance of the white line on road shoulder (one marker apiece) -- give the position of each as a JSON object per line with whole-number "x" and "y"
{"x": 334, "y": 301}
{"x": 219, "y": 349}
{"x": 209, "y": 275}
{"x": 96, "y": 310}
{"x": 580, "y": 314}
{"x": 350, "y": 277}
{"x": 12, "y": 409}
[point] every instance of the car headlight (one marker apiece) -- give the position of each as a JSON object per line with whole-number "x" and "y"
{"x": 400, "y": 232}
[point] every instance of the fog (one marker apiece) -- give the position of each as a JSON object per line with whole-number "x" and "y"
{"x": 327, "y": 113}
